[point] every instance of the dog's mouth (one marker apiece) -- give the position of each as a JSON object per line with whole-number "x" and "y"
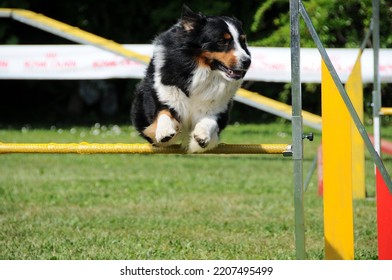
{"x": 234, "y": 74}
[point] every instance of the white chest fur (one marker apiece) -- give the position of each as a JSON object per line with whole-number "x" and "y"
{"x": 209, "y": 95}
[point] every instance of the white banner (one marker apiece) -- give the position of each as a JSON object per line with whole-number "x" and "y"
{"x": 189, "y": 270}
{"x": 81, "y": 62}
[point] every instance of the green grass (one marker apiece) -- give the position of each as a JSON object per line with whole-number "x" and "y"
{"x": 162, "y": 206}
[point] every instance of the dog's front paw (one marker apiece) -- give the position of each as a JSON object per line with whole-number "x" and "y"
{"x": 165, "y": 136}
{"x": 166, "y": 130}
{"x": 200, "y": 144}
{"x": 203, "y": 139}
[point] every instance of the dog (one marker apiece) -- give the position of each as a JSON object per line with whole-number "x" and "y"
{"x": 196, "y": 68}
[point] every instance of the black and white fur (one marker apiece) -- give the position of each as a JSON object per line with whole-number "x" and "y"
{"x": 196, "y": 68}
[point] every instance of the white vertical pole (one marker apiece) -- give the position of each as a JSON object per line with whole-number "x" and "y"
{"x": 376, "y": 76}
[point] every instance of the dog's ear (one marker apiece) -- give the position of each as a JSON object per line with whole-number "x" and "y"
{"x": 189, "y": 19}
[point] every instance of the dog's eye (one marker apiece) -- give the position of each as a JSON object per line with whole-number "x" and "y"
{"x": 224, "y": 42}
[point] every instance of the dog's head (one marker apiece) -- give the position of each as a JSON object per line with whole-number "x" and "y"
{"x": 220, "y": 43}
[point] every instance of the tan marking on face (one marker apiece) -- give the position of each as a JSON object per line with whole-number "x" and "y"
{"x": 227, "y": 36}
{"x": 226, "y": 58}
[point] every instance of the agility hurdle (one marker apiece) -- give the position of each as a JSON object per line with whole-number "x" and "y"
{"x": 354, "y": 116}
{"x": 121, "y": 148}
{"x": 354, "y": 88}
{"x": 337, "y": 172}
{"x": 80, "y": 36}
{"x": 340, "y": 246}
{"x": 335, "y": 114}
{"x": 343, "y": 227}
{"x": 344, "y": 155}
{"x": 297, "y": 131}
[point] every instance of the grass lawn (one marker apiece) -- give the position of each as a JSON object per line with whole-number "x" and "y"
{"x": 163, "y": 206}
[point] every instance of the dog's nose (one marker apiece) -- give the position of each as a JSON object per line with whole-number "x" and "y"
{"x": 245, "y": 63}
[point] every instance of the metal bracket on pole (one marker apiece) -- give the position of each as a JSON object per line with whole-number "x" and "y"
{"x": 309, "y": 136}
{"x": 288, "y": 152}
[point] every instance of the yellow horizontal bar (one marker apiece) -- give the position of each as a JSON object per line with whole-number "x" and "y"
{"x": 264, "y": 100}
{"x": 5, "y": 12}
{"x": 71, "y": 33}
{"x": 386, "y": 111}
{"x": 120, "y": 148}
{"x": 278, "y": 106}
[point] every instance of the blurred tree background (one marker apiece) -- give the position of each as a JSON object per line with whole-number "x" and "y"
{"x": 339, "y": 23}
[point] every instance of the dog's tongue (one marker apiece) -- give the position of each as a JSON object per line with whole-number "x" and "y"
{"x": 232, "y": 74}
{"x": 235, "y": 74}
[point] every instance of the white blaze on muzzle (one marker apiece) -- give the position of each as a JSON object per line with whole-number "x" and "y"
{"x": 239, "y": 52}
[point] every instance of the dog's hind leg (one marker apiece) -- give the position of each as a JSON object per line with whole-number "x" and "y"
{"x": 164, "y": 128}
